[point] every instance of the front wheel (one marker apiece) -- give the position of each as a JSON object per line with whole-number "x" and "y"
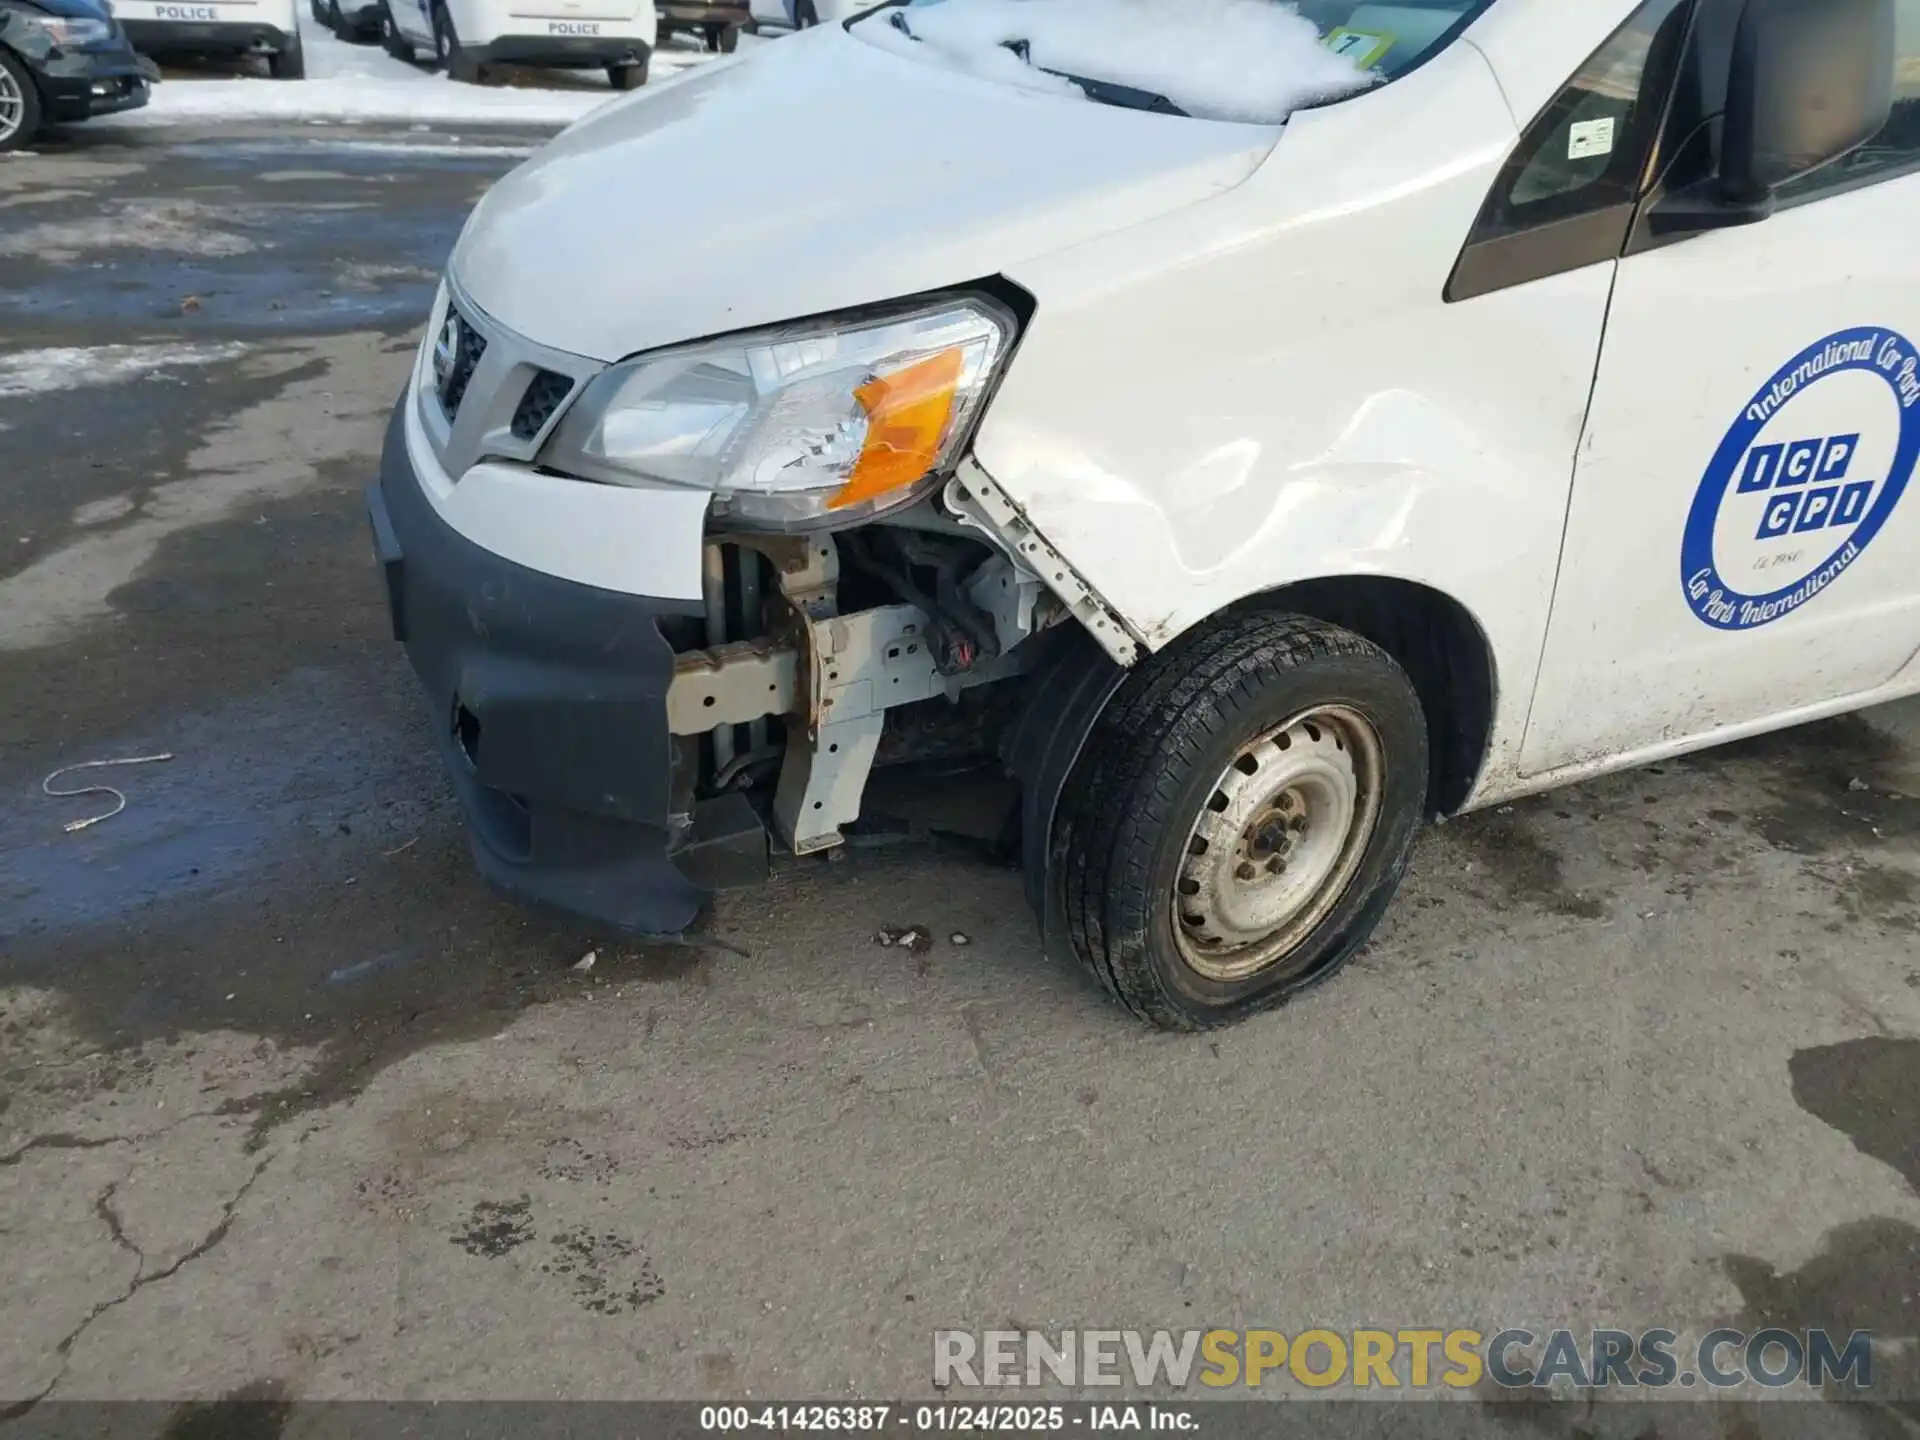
{"x": 392, "y": 40}
{"x": 723, "y": 39}
{"x": 453, "y": 56}
{"x": 19, "y": 105}
{"x": 290, "y": 63}
{"x": 627, "y": 77}
{"x": 1241, "y": 818}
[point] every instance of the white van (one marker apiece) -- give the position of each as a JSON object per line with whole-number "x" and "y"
{"x": 774, "y": 16}
{"x": 1343, "y": 417}
{"x": 267, "y": 28}
{"x": 466, "y": 36}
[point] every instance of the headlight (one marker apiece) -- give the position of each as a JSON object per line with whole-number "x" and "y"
{"x": 797, "y": 428}
{"x": 63, "y": 30}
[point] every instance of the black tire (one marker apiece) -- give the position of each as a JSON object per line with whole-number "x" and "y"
{"x": 723, "y": 39}
{"x": 663, "y": 31}
{"x": 335, "y": 21}
{"x": 452, "y": 55}
{"x": 1161, "y": 752}
{"x": 319, "y": 14}
{"x": 627, "y": 77}
{"x": 20, "y": 81}
{"x": 290, "y": 63}
{"x": 805, "y": 15}
{"x": 391, "y": 40}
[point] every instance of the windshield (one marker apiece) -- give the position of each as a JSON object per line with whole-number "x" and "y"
{"x": 1247, "y": 60}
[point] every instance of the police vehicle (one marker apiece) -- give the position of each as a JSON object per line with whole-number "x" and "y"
{"x": 268, "y": 28}
{"x": 465, "y": 36}
{"x": 1539, "y": 395}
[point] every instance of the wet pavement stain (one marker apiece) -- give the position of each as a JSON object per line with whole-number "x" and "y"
{"x": 607, "y": 1274}
{"x": 1866, "y": 1273}
{"x": 1869, "y": 1090}
{"x": 256, "y": 1411}
{"x": 247, "y": 267}
{"x": 1521, "y": 865}
{"x": 1832, "y": 780}
{"x": 496, "y": 1227}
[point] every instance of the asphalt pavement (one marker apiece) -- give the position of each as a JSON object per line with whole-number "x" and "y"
{"x": 291, "y": 1105}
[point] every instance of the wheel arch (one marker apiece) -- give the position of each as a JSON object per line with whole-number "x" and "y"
{"x": 1436, "y": 639}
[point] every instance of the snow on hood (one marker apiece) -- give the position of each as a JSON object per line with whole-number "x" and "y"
{"x": 1252, "y": 60}
{"x": 818, "y": 174}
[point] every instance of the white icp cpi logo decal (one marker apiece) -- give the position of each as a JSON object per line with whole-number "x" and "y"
{"x": 1805, "y": 479}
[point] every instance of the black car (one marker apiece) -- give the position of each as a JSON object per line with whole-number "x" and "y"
{"x": 64, "y": 60}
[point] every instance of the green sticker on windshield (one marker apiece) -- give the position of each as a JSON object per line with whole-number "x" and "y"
{"x": 1366, "y": 48}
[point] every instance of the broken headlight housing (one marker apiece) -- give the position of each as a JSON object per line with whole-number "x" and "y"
{"x": 809, "y": 426}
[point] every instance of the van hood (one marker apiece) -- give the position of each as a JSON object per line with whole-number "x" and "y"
{"x": 814, "y": 174}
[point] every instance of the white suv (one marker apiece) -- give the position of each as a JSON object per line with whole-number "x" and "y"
{"x": 466, "y": 36}
{"x": 214, "y": 27}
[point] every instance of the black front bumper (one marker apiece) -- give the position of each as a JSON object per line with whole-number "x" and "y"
{"x": 698, "y": 13}
{"x": 193, "y": 37}
{"x": 80, "y": 84}
{"x": 548, "y": 700}
{"x": 562, "y": 52}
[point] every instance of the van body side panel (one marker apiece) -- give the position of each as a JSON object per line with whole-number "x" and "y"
{"x": 1269, "y": 387}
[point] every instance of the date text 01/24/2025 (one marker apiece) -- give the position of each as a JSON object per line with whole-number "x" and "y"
{"x": 976, "y": 1419}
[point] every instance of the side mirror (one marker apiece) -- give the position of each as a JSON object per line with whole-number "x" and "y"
{"x": 1811, "y": 81}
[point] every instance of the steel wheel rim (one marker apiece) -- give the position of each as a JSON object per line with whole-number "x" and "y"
{"x": 1277, "y": 842}
{"x": 13, "y": 105}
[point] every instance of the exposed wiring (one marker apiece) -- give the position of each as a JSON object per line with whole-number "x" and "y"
{"x": 740, "y": 763}
{"x": 120, "y": 800}
{"x": 960, "y": 632}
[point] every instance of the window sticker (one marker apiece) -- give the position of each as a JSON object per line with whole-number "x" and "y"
{"x": 1589, "y": 139}
{"x": 1366, "y": 48}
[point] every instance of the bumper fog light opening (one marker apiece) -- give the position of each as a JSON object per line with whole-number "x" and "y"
{"x": 466, "y": 734}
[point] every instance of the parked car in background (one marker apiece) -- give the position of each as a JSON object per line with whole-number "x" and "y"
{"x": 779, "y": 15}
{"x": 465, "y": 36}
{"x": 355, "y": 20}
{"x": 719, "y": 22}
{"x": 61, "y": 61}
{"x": 219, "y": 27}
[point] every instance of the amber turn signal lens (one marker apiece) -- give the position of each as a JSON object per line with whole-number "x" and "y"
{"x": 907, "y": 417}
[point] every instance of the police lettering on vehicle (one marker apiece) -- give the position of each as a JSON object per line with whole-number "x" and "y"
{"x": 186, "y": 12}
{"x": 1804, "y": 480}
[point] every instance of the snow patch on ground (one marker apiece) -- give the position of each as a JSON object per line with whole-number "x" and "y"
{"x": 362, "y": 83}
{"x": 192, "y": 102}
{"x": 184, "y": 227}
{"x": 1249, "y": 60}
{"x": 39, "y": 372}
